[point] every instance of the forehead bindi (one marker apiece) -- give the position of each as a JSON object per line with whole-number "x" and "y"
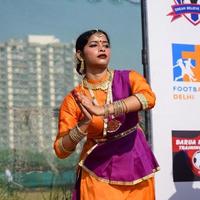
{"x": 98, "y": 37}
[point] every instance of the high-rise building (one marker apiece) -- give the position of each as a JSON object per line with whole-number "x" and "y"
{"x": 35, "y": 75}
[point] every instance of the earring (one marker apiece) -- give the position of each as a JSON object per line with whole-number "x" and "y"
{"x": 82, "y": 67}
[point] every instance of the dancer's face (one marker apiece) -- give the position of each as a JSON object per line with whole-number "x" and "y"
{"x": 96, "y": 52}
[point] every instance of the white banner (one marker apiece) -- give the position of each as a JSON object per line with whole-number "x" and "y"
{"x": 174, "y": 61}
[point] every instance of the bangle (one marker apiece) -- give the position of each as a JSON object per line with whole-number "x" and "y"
{"x": 125, "y": 106}
{"x": 76, "y": 135}
{"x": 119, "y": 108}
{"x": 85, "y": 122}
{"x": 79, "y": 130}
{"x": 60, "y": 143}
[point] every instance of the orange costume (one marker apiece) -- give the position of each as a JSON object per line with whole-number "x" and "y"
{"x": 91, "y": 187}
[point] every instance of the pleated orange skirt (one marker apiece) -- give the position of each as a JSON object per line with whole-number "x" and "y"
{"x": 93, "y": 189}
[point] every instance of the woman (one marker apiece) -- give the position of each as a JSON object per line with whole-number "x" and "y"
{"x": 116, "y": 161}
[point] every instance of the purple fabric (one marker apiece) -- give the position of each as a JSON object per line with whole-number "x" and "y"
{"x": 120, "y": 90}
{"x": 129, "y": 158}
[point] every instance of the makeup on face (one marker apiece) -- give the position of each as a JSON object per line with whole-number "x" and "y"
{"x": 98, "y": 39}
{"x": 97, "y": 50}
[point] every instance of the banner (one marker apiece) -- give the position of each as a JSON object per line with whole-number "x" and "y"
{"x": 174, "y": 73}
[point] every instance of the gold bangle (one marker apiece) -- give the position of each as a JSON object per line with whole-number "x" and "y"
{"x": 75, "y": 135}
{"x": 60, "y": 143}
{"x": 85, "y": 122}
{"x": 125, "y": 106}
{"x": 79, "y": 130}
{"x": 118, "y": 108}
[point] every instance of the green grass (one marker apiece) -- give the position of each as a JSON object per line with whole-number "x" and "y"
{"x": 58, "y": 193}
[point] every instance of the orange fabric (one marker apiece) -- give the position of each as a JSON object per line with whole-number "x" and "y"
{"x": 140, "y": 86}
{"x": 69, "y": 116}
{"x": 70, "y": 113}
{"x": 98, "y": 190}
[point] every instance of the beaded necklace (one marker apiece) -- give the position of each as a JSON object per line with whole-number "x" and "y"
{"x": 110, "y": 123}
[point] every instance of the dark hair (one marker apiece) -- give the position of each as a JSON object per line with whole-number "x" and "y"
{"x": 82, "y": 40}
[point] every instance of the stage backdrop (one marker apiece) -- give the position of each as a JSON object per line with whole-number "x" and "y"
{"x": 174, "y": 61}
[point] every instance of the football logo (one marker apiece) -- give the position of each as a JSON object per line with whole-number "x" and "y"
{"x": 190, "y": 9}
{"x": 186, "y": 62}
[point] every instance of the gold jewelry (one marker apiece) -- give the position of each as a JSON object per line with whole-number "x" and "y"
{"x": 84, "y": 122}
{"x": 79, "y": 130}
{"x": 117, "y": 136}
{"x": 82, "y": 67}
{"x": 99, "y": 86}
{"x": 60, "y": 143}
{"x": 119, "y": 107}
{"x": 76, "y": 135}
{"x": 109, "y": 98}
{"x": 98, "y": 33}
{"x": 113, "y": 125}
{"x": 125, "y": 106}
{"x": 110, "y": 123}
{"x": 142, "y": 100}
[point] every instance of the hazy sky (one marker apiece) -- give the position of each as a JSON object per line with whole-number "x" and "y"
{"x": 66, "y": 19}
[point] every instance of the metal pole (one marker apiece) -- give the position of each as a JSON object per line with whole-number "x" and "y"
{"x": 145, "y": 63}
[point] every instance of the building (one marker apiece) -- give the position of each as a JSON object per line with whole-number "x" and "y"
{"x": 35, "y": 75}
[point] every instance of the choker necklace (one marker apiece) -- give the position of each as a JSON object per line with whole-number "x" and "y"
{"x": 98, "y": 86}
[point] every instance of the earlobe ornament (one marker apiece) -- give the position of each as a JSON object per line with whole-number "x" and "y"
{"x": 82, "y": 67}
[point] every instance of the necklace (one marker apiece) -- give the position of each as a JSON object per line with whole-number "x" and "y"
{"x": 99, "y": 86}
{"x": 110, "y": 124}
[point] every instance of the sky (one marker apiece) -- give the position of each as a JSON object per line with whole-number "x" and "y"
{"x": 67, "y": 19}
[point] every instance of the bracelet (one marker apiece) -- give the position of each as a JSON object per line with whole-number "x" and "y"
{"x": 125, "y": 106}
{"x": 79, "y": 130}
{"x": 76, "y": 135}
{"x": 119, "y": 107}
{"x": 85, "y": 122}
{"x": 60, "y": 143}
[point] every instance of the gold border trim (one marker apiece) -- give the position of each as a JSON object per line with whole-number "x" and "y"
{"x": 119, "y": 182}
{"x": 110, "y": 181}
{"x": 142, "y": 100}
{"x": 62, "y": 148}
{"x": 118, "y": 136}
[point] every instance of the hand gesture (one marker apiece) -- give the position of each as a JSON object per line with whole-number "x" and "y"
{"x": 88, "y": 106}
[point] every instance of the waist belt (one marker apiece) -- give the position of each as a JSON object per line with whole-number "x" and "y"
{"x": 116, "y": 137}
